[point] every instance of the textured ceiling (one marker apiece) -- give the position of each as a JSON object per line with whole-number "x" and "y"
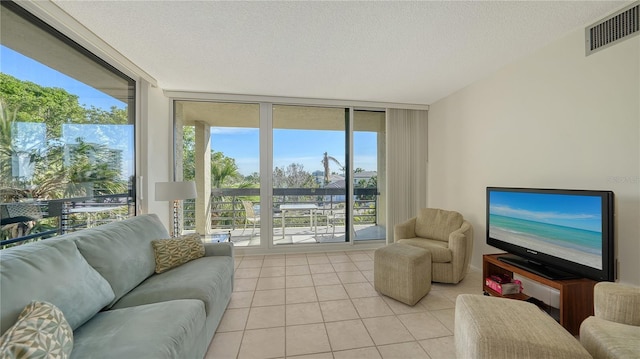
{"x": 404, "y": 52}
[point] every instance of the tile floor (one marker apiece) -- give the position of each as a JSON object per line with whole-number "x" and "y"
{"x": 323, "y": 305}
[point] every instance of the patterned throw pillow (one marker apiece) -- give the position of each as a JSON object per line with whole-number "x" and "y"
{"x": 174, "y": 252}
{"x": 40, "y": 332}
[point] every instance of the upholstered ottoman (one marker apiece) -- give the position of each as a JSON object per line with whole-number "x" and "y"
{"x": 489, "y": 327}
{"x": 402, "y": 272}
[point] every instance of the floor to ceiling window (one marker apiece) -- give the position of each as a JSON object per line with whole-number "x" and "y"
{"x": 369, "y": 175}
{"x": 67, "y": 133}
{"x": 310, "y": 174}
{"x": 231, "y": 169}
{"x": 324, "y": 168}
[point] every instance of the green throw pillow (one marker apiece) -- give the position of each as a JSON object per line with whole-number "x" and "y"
{"x": 41, "y": 332}
{"x": 174, "y": 252}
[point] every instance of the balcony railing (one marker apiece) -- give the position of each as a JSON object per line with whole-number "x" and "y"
{"x": 228, "y": 213}
{"x": 22, "y": 222}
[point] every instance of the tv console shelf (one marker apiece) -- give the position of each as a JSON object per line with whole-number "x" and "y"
{"x": 576, "y": 295}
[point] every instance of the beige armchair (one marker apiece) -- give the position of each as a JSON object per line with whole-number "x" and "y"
{"x": 614, "y": 331}
{"x": 446, "y": 235}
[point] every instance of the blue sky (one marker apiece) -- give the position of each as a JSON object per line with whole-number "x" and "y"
{"x": 294, "y": 146}
{"x": 290, "y": 146}
{"x": 574, "y": 211}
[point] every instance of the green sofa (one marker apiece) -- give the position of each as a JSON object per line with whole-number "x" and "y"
{"x": 103, "y": 280}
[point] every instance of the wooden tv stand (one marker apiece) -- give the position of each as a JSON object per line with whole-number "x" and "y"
{"x": 576, "y": 295}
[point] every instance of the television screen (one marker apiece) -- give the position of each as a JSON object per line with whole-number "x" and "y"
{"x": 568, "y": 229}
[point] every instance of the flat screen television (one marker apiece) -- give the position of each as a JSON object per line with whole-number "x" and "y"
{"x": 555, "y": 233}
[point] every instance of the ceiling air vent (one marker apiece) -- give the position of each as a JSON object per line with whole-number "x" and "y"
{"x": 613, "y": 29}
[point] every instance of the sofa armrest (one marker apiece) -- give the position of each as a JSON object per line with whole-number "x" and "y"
{"x": 461, "y": 246}
{"x": 218, "y": 249}
{"x": 405, "y": 230}
{"x": 617, "y": 303}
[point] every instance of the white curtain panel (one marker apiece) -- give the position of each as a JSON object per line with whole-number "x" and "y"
{"x": 406, "y": 165}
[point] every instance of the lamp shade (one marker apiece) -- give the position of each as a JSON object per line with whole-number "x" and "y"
{"x": 170, "y": 191}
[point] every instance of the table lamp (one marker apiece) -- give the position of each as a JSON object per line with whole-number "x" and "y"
{"x": 175, "y": 191}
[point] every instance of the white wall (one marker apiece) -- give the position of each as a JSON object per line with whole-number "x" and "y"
{"x": 554, "y": 119}
{"x": 156, "y": 149}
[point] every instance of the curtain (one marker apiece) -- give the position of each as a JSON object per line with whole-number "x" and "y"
{"x": 406, "y": 165}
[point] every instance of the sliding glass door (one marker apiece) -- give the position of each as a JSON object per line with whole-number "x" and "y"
{"x": 309, "y": 174}
{"x": 325, "y": 168}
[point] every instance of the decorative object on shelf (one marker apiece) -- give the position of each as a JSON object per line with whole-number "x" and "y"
{"x": 175, "y": 191}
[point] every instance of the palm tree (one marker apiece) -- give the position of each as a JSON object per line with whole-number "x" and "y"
{"x": 325, "y": 163}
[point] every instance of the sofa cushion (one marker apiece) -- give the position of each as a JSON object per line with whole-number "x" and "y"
{"x": 155, "y": 331}
{"x": 121, "y": 251}
{"x": 40, "y": 332}
{"x": 54, "y": 271}
{"x": 437, "y": 223}
{"x": 605, "y": 339}
{"x": 207, "y": 279}
{"x": 440, "y": 252}
{"x": 170, "y": 253}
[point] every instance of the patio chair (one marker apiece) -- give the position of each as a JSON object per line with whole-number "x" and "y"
{"x": 250, "y": 215}
{"x": 334, "y": 216}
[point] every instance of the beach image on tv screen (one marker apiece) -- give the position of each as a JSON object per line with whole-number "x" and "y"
{"x": 564, "y": 226}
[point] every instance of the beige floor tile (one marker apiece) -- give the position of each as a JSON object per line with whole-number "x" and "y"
{"x": 436, "y": 301}
{"x": 233, "y": 320}
{"x": 446, "y": 317}
{"x": 371, "y": 307}
{"x": 352, "y": 277}
{"x": 273, "y": 262}
{"x": 361, "y": 353}
{"x": 301, "y": 295}
{"x": 297, "y": 270}
{"x": 247, "y": 273}
{"x": 325, "y": 279}
{"x": 303, "y": 313}
{"x": 424, "y": 325}
{"x": 364, "y": 265}
{"x": 296, "y": 281}
{"x": 387, "y": 330}
{"x": 263, "y": 298}
{"x": 327, "y": 355}
{"x": 401, "y": 308}
{"x": 344, "y": 267}
{"x": 368, "y": 274}
{"x": 337, "y": 310}
{"x": 440, "y": 348}
{"x": 296, "y": 261}
{"x": 266, "y": 317}
{"x": 224, "y": 345}
{"x": 348, "y": 334}
{"x": 275, "y": 271}
{"x": 321, "y": 268}
{"x": 244, "y": 284}
{"x": 331, "y": 292}
{"x": 270, "y": 283}
{"x": 306, "y": 339}
{"x": 411, "y": 350}
{"x": 360, "y": 290}
{"x": 263, "y": 343}
{"x": 323, "y": 259}
{"x": 250, "y": 263}
{"x": 240, "y": 300}
{"x": 359, "y": 257}
{"x": 338, "y": 258}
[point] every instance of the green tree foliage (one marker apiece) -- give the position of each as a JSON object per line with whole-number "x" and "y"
{"x": 56, "y": 171}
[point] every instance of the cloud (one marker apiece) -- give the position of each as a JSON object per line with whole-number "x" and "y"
{"x": 538, "y": 216}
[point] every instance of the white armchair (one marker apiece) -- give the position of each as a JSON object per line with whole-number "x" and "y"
{"x": 446, "y": 235}
{"x": 614, "y": 331}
